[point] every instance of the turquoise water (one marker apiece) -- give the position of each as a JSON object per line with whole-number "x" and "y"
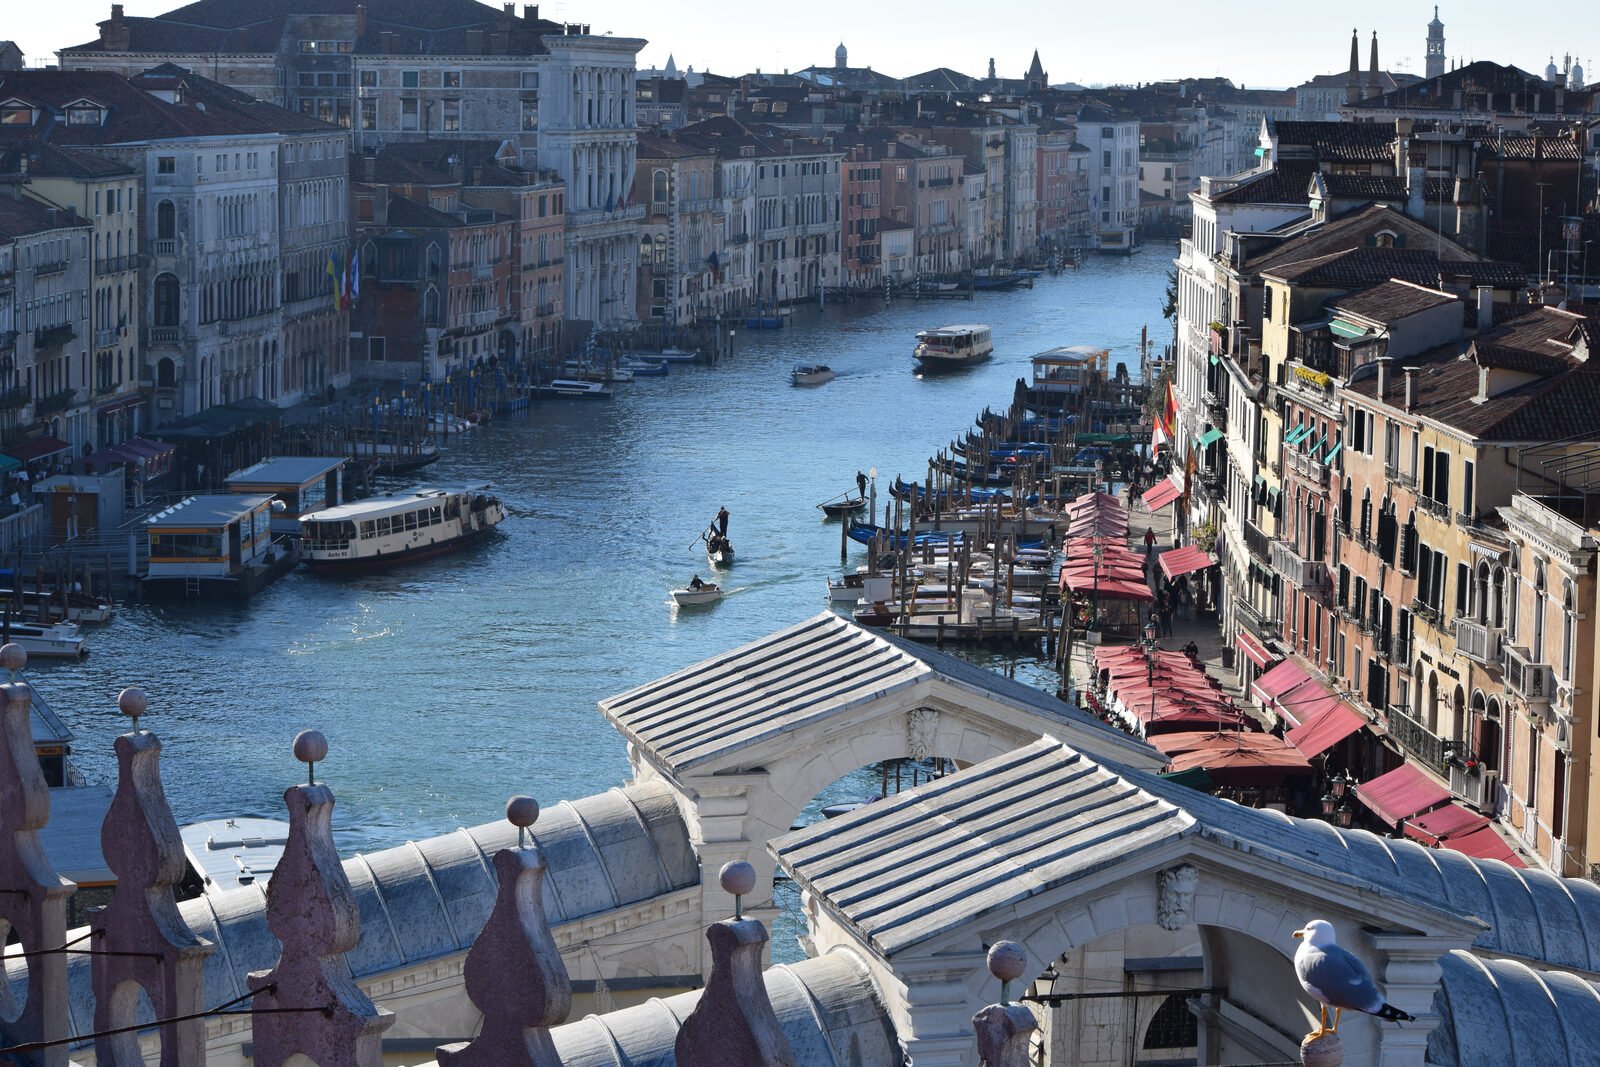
{"x": 447, "y": 687}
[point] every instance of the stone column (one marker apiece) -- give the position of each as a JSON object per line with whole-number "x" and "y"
{"x": 33, "y": 897}
{"x": 1409, "y": 974}
{"x": 309, "y": 1004}
{"x": 160, "y": 954}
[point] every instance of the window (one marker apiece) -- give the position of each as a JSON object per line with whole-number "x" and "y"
{"x": 530, "y": 114}
{"x": 450, "y": 115}
{"x": 408, "y": 114}
{"x": 166, "y": 221}
{"x": 530, "y": 79}
{"x": 166, "y": 300}
{"x": 408, "y": 79}
{"x": 1466, "y": 489}
{"x": 376, "y": 347}
{"x": 16, "y": 115}
{"x": 658, "y": 187}
{"x": 451, "y": 79}
{"x": 369, "y": 113}
{"x": 84, "y": 116}
{"x": 166, "y": 165}
{"x": 369, "y": 79}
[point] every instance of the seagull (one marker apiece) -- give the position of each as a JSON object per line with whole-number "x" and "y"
{"x": 1336, "y": 979}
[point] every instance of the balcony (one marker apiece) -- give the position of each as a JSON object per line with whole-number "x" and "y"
{"x": 1478, "y": 642}
{"x": 1436, "y": 508}
{"x": 114, "y": 264}
{"x": 1533, "y": 682}
{"x": 166, "y": 246}
{"x": 738, "y": 238}
{"x": 1312, "y": 471}
{"x": 1478, "y": 787}
{"x": 14, "y": 399}
{"x": 106, "y": 338}
{"x": 54, "y": 267}
{"x": 1258, "y": 543}
{"x": 52, "y": 336}
{"x": 1420, "y": 743}
{"x": 1212, "y": 479}
{"x": 8, "y": 340}
{"x": 57, "y": 401}
{"x": 1425, "y": 611}
{"x": 1310, "y": 575}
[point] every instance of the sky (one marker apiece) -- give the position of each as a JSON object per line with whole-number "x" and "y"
{"x": 1086, "y": 43}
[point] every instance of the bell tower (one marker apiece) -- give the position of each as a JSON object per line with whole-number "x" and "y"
{"x": 1435, "y": 60}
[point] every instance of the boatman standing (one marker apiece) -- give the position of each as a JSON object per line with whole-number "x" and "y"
{"x": 861, "y": 485}
{"x": 722, "y": 522}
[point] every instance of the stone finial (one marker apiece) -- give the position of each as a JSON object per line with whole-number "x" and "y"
{"x": 1322, "y": 1050}
{"x": 132, "y": 703}
{"x": 310, "y": 748}
{"x": 514, "y": 974}
{"x": 312, "y": 910}
{"x": 1003, "y": 1034}
{"x": 737, "y": 878}
{"x": 13, "y": 657}
{"x": 733, "y": 1025}
{"x": 1007, "y": 961}
{"x": 33, "y": 897}
{"x": 155, "y": 948}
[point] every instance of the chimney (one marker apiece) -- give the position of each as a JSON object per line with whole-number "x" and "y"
{"x": 1416, "y": 186}
{"x": 530, "y": 12}
{"x": 114, "y": 33}
{"x": 361, "y": 21}
{"x": 1411, "y": 388}
{"x": 1485, "y": 308}
{"x": 1383, "y": 377}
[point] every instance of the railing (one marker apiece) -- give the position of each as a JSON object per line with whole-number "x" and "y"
{"x": 482, "y": 318}
{"x": 1420, "y": 742}
{"x": 8, "y": 340}
{"x": 738, "y": 238}
{"x": 1438, "y": 510}
{"x": 1425, "y": 611}
{"x": 53, "y": 267}
{"x": 166, "y": 246}
{"x": 1478, "y": 641}
{"x": 15, "y": 399}
{"x": 1314, "y": 472}
{"x": 113, "y": 264}
{"x": 57, "y": 401}
{"x": 1257, "y": 542}
{"x": 106, "y": 338}
{"x": 940, "y": 183}
{"x": 1533, "y": 682}
{"x": 163, "y": 335}
{"x": 1310, "y": 575}
{"x": 1478, "y": 787}
{"x": 51, "y": 336}
{"x": 1254, "y": 621}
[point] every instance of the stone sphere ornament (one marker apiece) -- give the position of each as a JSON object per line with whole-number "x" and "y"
{"x": 522, "y": 812}
{"x": 13, "y": 657}
{"x": 737, "y": 877}
{"x": 1007, "y": 961}
{"x": 132, "y": 703}
{"x": 310, "y": 748}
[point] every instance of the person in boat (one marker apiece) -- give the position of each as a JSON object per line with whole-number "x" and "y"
{"x": 722, "y": 523}
{"x": 861, "y": 485}
{"x": 696, "y": 584}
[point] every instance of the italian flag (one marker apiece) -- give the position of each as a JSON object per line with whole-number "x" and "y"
{"x": 1166, "y": 422}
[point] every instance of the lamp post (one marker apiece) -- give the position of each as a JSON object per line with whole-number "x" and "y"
{"x": 1094, "y": 610}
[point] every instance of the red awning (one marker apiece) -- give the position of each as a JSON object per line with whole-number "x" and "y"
{"x": 1253, "y": 649}
{"x": 1161, "y": 494}
{"x": 1401, "y": 793}
{"x": 1452, "y": 820}
{"x": 37, "y": 448}
{"x": 1185, "y": 560}
{"x": 1244, "y": 759}
{"x": 1306, "y": 701}
{"x": 1327, "y": 728}
{"x": 1279, "y": 680}
{"x": 1484, "y": 844}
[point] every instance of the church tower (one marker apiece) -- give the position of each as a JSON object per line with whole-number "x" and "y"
{"x": 1435, "y": 59}
{"x": 1352, "y": 85}
{"x": 841, "y": 57}
{"x": 1037, "y": 79}
{"x": 1374, "y": 86}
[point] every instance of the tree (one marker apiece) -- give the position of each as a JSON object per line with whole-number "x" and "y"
{"x": 1156, "y": 398}
{"x": 1169, "y": 306}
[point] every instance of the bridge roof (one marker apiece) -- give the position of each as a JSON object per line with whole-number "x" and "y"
{"x": 827, "y": 1007}
{"x": 428, "y": 899}
{"x": 821, "y": 670}
{"x": 945, "y": 854}
{"x": 1509, "y": 1014}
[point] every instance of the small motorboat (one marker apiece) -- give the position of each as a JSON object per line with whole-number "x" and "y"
{"x": 673, "y": 355}
{"x": 57, "y": 640}
{"x": 810, "y": 374}
{"x": 691, "y": 597}
{"x": 838, "y": 509}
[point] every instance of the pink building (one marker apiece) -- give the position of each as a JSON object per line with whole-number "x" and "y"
{"x": 861, "y": 189}
{"x": 1055, "y": 184}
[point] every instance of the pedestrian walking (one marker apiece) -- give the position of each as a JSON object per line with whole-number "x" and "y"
{"x": 1165, "y": 614}
{"x": 1150, "y": 541}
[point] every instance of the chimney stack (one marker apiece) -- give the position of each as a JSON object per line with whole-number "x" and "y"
{"x": 114, "y": 33}
{"x": 1383, "y": 377}
{"x": 361, "y": 21}
{"x": 1411, "y": 388}
{"x": 1485, "y": 308}
{"x": 530, "y": 12}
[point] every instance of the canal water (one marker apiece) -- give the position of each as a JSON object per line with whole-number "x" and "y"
{"x": 448, "y": 686}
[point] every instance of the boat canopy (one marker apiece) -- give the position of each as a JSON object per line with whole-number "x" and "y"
{"x": 378, "y": 507}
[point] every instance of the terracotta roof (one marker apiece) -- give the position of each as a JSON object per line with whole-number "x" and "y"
{"x": 1285, "y": 183}
{"x": 1358, "y": 227}
{"x": 1353, "y": 268}
{"x": 1338, "y": 142}
{"x": 1390, "y": 301}
{"x": 53, "y": 161}
{"x": 1365, "y": 186}
{"x": 19, "y": 217}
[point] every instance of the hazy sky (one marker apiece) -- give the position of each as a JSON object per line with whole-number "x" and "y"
{"x": 1088, "y": 43}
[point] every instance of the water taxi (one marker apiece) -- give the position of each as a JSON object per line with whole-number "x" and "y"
{"x": 810, "y": 374}
{"x": 397, "y": 528}
{"x": 693, "y": 596}
{"x": 950, "y": 347}
{"x": 572, "y": 387}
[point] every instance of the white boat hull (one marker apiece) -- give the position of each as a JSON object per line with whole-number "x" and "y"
{"x": 693, "y": 598}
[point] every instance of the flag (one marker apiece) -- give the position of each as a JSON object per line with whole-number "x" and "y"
{"x": 338, "y": 282}
{"x": 355, "y": 274}
{"x": 1165, "y": 430}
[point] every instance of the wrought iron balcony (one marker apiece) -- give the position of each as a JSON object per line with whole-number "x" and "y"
{"x": 1421, "y": 743}
{"x": 52, "y": 336}
{"x": 55, "y": 267}
{"x": 1258, "y": 543}
{"x": 14, "y": 399}
{"x": 1310, "y": 575}
{"x": 1254, "y": 621}
{"x": 57, "y": 401}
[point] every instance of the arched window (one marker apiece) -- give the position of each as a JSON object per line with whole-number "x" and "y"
{"x": 1366, "y": 514}
{"x": 658, "y": 187}
{"x": 1569, "y": 633}
{"x": 166, "y": 300}
{"x": 430, "y": 307}
{"x": 166, "y": 221}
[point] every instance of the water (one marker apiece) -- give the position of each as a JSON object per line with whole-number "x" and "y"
{"x": 448, "y": 686}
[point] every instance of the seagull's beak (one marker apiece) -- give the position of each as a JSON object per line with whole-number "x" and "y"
{"x": 1299, "y": 933}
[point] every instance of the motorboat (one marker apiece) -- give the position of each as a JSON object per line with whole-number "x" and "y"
{"x": 397, "y": 528}
{"x": 570, "y": 387}
{"x": 810, "y": 374}
{"x": 693, "y": 597}
{"x": 952, "y": 347}
{"x": 57, "y": 640}
{"x": 673, "y": 355}
{"x": 227, "y": 854}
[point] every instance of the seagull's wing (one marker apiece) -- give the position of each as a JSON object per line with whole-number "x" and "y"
{"x": 1339, "y": 977}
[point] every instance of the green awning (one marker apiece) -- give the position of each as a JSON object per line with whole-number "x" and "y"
{"x": 1195, "y": 778}
{"x": 1261, "y": 479}
{"x": 1213, "y": 359}
{"x": 1345, "y": 329}
{"x": 1315, "y": 448}
{"x": 8, "y": 464}
{"x": 1294, "y": 435}
{"x": 1333, "y": 451}
{"x": 1210, "y": 437}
